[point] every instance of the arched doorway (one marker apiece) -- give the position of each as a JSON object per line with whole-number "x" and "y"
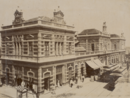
{"x": 89, "y": 70}
{"x": 76, "y": 70}
{"x": 47, "y": 81}
{"x": 70, "y": 73}
{"x": 7, "y": 76}
{"x": 59, "y": 75}
{"x": 82, "y": 69}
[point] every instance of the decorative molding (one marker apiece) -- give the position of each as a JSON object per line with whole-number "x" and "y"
{"x": 47, "y": 71}
{"x": 30, "y": 71}
{"x": 7, "y": 68}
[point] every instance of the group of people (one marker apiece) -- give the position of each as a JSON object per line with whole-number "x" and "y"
{"x": 17, "y": 81}
{"x": 77, "y": 80}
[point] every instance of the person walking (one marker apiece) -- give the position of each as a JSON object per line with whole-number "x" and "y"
{"x": 53, "y": 89}
{"x": 71, "y": 83}
{"x": 79, "y": 83}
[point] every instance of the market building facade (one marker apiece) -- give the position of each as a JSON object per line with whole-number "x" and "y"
{"x": 45, "y": 50}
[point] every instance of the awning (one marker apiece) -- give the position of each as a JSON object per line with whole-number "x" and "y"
{"x": 111, "y": 67}
{"x": 92, "y": 64}
{"x": 98, "y": 62}
{"x": 119, "y": 72}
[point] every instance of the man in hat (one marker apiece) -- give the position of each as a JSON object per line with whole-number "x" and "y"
{"x": 3, "y": 80}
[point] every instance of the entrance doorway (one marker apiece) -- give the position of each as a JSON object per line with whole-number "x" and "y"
{"x": 47, "y": 81}
{"x": 70, "y": 73}
{"x": 76, "y": 70}
{"x": 59, "y": 79}
{"x": 89, "y": 71}
{"x": 82, "y": 70}
{"x": 7, "y": 76}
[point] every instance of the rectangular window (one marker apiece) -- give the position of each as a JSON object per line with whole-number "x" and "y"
{"x": 69, "y": 47}
{"x": 92, "y": 47}
{"x": 62, "y": 48}
{"x": 30, "y": 48}
{"x": 46, "y": 48}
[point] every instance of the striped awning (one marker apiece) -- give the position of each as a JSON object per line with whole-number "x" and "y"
{"x": 98, "y": 62}
{"x": 92, "y": 65}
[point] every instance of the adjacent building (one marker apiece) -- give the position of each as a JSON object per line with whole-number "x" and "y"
{"x": 46, "y": 50}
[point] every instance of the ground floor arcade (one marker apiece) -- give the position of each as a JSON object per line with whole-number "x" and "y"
{"x": 58, "y": 73}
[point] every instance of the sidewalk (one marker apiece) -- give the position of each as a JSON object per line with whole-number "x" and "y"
{"x": 10, "y": 92}
{"x": 63, "y": 89}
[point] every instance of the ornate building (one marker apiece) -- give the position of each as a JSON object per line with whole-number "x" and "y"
{"x": 45, "y": 50}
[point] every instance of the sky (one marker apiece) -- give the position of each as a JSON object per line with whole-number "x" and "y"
{"x": 83, "y": 14}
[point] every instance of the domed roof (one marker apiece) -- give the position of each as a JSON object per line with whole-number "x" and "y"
{"x": 115, "y": 35}
{"x": 90, "y": 32}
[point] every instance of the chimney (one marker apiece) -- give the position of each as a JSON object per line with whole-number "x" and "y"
{"x": 104, "y": 27}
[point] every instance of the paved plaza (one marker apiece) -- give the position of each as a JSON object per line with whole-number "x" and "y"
{"x": 89, "y": 90}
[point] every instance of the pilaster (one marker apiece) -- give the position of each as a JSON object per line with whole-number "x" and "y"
{"x": 54, "y": 75}
{"x": 79, "y": 69}
{"x": 40, "y": 80}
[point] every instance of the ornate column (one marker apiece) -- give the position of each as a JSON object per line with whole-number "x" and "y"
{"x": 79, "y": 69}
{"x": 39, "y": 87}
{"x": 54, "y": 74}
{"x": 63, "y": 74}
{"x": 66, "y": 73}
{"x": 84, "y": 69}
{"x": 86, "y": 45}
{"x": 57, "y": 49}
{"x": 60, "y": 48}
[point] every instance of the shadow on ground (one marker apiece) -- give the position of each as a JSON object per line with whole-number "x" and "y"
{"x": 6, "y": 96}
{"x": 65, "y": 95}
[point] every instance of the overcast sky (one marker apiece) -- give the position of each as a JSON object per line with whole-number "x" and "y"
{"x": 84, "y": 14}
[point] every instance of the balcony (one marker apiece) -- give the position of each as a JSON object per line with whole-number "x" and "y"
{"x": 37, "y": 59}
{"x": 39, "y": 22}
{"x": 97, "y": 52}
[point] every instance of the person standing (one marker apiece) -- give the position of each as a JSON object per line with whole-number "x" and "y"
{"x": 83, "y": 78}
{"x": 58, "y": 83}
{"x": 19, "y": 80}
{"x": 23, "y": 83}
{"x": 71, "y": 83}
{"x": 15, "y": 80}
{"x": 3, "y": 80}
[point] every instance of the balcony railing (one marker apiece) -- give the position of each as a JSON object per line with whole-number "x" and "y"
{"x": 37, "y": 22}
{"x": 97, "y": 52}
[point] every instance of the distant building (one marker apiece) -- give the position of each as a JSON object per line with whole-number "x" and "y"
{"x": 48, "y": 51}
{"x": 127, "y": 50}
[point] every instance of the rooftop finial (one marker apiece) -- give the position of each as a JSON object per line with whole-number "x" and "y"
{"x": 58, "y": 8}
{"x": 18, "y": 8}
{"x": 104, "y": 23}
{"x": 122, "y": 34}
